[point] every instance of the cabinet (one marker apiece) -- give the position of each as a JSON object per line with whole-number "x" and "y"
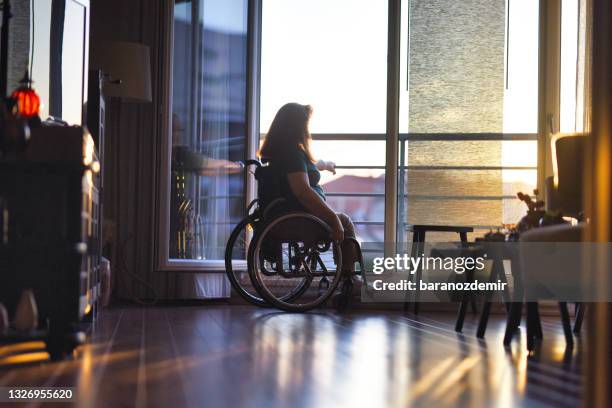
{"x": 50, "y": 234}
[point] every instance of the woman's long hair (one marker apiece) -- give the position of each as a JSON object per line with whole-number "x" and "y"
{"x": 288, "y": 130}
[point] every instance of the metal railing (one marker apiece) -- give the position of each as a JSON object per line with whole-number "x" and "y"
{"x": 404, "y": 139}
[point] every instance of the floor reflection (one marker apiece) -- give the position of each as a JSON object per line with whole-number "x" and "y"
{"x": 240, "y": 356}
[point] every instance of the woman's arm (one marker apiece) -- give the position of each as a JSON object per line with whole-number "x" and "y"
{"x": 300, "y": 187}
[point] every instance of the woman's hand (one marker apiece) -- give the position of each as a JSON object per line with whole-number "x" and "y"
{"x": 326, "y": 165}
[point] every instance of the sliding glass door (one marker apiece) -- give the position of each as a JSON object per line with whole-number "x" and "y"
{"x": 208, "y": 131}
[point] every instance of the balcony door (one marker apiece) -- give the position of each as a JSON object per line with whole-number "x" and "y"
{"x": 204, "y": 192}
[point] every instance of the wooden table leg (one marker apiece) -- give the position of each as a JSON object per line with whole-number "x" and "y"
{"x": 538, "y": 323}
{"x": 465, "y": 300}
{"x": 416, "y": 237}
{"x": 466, "y": 296}
{"x": 486, "y": 307}
{"x": 513, "y": 321}
{"x": 419, "y": 272}
{"x": 515, "y": 308}
{"x": 567, "y": 325}
{"x": 532, "y": 312}
{"x": 461, "y": 314}
{"x": 580, "y": 308}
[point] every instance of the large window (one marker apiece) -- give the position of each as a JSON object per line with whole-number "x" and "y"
{"x": 208, "y": 126}
{"x": 470, "y": 118}
{"x": 468, "y": 104}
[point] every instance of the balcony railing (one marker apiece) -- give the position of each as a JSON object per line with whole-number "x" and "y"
{"x": 403, "y": 196}
{"x": 404, "y": 139}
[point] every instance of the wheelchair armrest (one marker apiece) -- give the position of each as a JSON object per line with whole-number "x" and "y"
{"x": 252, "y": 162}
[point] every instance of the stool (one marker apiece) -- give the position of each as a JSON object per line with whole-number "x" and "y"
{"x": 418, "y": 242}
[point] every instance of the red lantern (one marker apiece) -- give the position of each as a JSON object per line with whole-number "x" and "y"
{"x": 27, "y": 101}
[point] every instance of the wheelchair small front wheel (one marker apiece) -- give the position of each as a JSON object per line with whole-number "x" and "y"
{"x": 306, "y": 265}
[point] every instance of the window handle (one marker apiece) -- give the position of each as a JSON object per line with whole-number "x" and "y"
{"x": 551, "y": 123}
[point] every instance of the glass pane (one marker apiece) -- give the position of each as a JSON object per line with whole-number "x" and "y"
{"x": 471, "y": 76}
{"x": 351, "y": 152}
{"x": 319, "y": 52}
{"x": 208, "y": 125}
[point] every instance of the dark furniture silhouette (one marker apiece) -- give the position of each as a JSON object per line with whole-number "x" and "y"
{"x": 419, "y": 232}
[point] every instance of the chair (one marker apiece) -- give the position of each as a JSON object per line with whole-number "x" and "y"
{"x": 564, "y": 189}
{"x": 563, "y": 195}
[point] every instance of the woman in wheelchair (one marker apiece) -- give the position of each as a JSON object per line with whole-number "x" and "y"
{"x": 298, "y": 249}
{"x": 287, "y": 145}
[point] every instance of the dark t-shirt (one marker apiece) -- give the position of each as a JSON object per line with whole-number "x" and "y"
{"x": 296, "y": 161}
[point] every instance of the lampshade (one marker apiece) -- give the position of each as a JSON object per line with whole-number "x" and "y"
{"x": 127, "y": 62}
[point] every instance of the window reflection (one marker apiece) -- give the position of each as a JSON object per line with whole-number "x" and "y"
{"x": 208, "y": 125}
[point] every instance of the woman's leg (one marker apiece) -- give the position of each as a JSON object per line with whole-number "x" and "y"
{"x": 349, "y": 251}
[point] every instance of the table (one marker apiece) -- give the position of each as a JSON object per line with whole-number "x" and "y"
{"x": 418, "y": 242}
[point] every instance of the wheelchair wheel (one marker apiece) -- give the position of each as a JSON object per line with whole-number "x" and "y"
{"x": 293, "y": 262}
{"x": 238, "y": 275}
{"x": 236, "y": 249}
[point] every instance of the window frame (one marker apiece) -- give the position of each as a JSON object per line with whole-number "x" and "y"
{"x": 548, "y": 108}
{"x": 163, "y": 260}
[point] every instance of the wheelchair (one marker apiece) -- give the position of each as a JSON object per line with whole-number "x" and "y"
{"x": 291, "y": 261}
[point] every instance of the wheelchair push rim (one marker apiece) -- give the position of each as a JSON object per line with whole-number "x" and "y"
{"x": 307, "y": 264}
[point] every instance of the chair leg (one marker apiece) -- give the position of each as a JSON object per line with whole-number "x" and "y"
{"x": 466, "y": 297}
{"x": 484, "y": 319}
{"x": 419, "y": 273}
{"x": 538, "y": 324}
{"x": 461, "y": 314}
{"x": 532, "y": 324}
{"x": 513, "y": 321}
{"x": 413, "y": 252}
{"x": 579, "y": 317}
{"x": 465, "y": 300}
{"x": 567, "y": 326}
{"x": 419, "y": 276}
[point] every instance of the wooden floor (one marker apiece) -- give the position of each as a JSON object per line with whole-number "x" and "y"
{"x": 220, "y": 355}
